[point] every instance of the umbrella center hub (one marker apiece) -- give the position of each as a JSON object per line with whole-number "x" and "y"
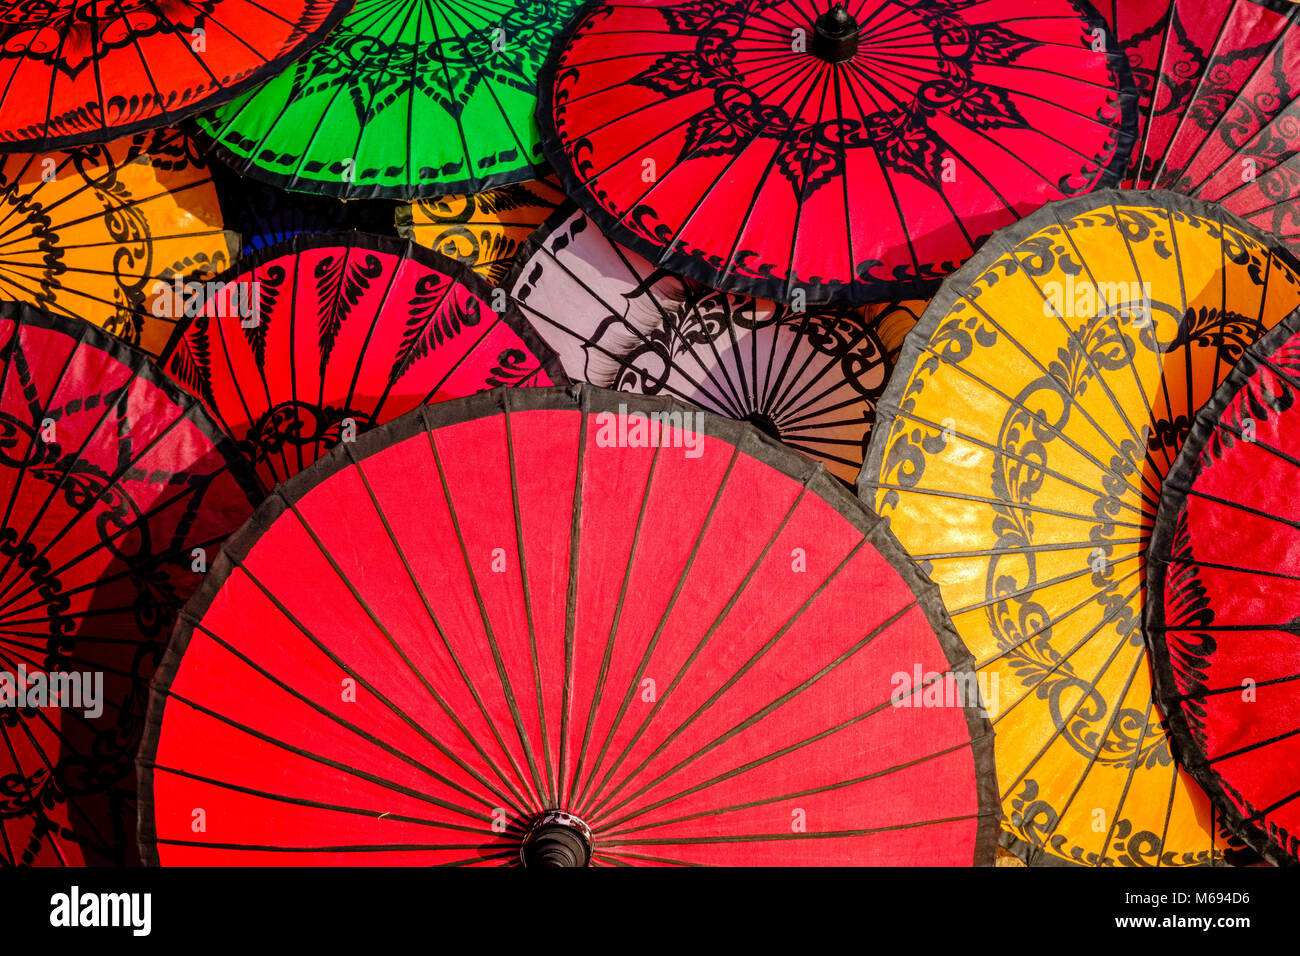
{"x": 835, "y": 35}
{"x": 764, "y": 423}
{"x": 556, "y": 838}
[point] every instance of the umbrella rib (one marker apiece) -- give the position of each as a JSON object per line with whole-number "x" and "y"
{"x": 218, "y": 125}
{"x": 1091, "y": 687}
{"x": 1096, "y": 371}
{"x": 338, "y": 848}
{"x": 899, "y": 414}
{"x": 599, "y": 687}
{"x": 1039, "y": 586}
{"x": 662, "y": 133}
{"x": 293, "y": 358}
{"x": 708, "y": 635}
{"x": 835, "y": 362}
{"x": 1132, "y": 368}
{"x": 99, "y": 86}
{"x": 21, "y": 262}
{"x": 105, "y": 199}
{"x": 364, "y": 350}
{"x": 607, "y": 832}
{"x": 12, "y": 652}
{"x": 1198, "y": 563}
{"x": 1289, "y": 162}
{"x": 44, "y": 827}
{"x": 1247, "y": 509}
{"x": 1159, "y": 73}
{"x": 360, "y": 733}
{"x": 829, "y": 78}
{"x": 1138, "y": 661}
{"x": 850, "y": 78}
{"x": 1264, "y": 446}
{"x": 767, "y": 402}
{"x": 1137, "y": 271}
{"x": 1070, "y": 442}
{"x": 317, "y": 804}
{"x": 114, "y": 481}
{"x": 105, "y": 541}
{"x": 640, "y": 856}
{"x": 1251, "y": 748}
{"x": 464, "y": 357}
{"x": 54, "y": 75}
{"x": 742, "y": 147}
{"x": 1189, "y": 385}
{"x": 520, "y": 553}
{"x": 680, "y": 585}
{"x": 600, "y": 813}
{"x": 1173, "y": 787}
{"x": 570, "y": 607}
{"x": 488, "y": 83}
{"x": 739, "y": 400}
{"x": 1038, "y": 549}
{"x": 603, "y": 808}
{"x": 388, "y": 702}
{"x": 502, "y": 675}
{"x": 810, "y": 835}
{"x": 241, "y": 433}
{"x": 355, "y": 155}
{"x": 1258, "y": 815}
{"x": 782, "y": 752}
{"x": 71, "y": 799}
{"x": 451, "y": 653}
{"x": 1215, "y": 53}
{"x": 1101, "y": 379}
{"x": 33, "y": 399}
{"x": 621, "y": 360}
{"x": 1108, "y": 618}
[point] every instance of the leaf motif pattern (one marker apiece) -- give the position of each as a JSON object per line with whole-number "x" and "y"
{"x": 340, "y": 283}
{"x": 438, "y": 312}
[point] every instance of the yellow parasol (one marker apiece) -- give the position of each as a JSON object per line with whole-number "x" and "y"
{"x": 1018, "y": 454}
{"x": 483, "y": 230}
{"x": 110, "y": 233}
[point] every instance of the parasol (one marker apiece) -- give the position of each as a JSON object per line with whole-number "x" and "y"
{"x": 117, "y": 490}
{"x": 848, "y": 154}
{"x": 483, "y": 230}
{"x": 105, "y": 232}
{"x": 1018, "y": 455}
{"x": 313, "y": 341}
{"x": 406, "y": 99}
{"x": 1223, "y": 613}
{"x": 809, "y": 378}
{"x": 546, "y": 627}
{"x": 1218, "y": 113}
{"x": 74, "y": 72}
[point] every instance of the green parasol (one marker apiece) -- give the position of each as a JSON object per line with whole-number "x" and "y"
{"x": 406, "y": 99}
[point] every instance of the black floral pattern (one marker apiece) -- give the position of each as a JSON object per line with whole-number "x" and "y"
{"x": 809, "y": 155}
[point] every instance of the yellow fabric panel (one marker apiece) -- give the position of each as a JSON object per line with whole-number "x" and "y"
{"x": 1019, "y": 455}
{"x": 100, "y": 231}
{"x": 483, "y": 230}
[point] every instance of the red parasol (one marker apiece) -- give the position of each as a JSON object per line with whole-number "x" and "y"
{"x": 86, "y": 71}
{"x": 117, "y": 490}
{"x": 1225, "y": 610}
{"x": 1218, "y": 112}
{"x": 848, "y": 154}
{"x": 565, "y": 626}
{"x": 315, "y": 340}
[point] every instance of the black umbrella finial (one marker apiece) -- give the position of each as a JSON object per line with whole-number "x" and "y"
{"x": 835, "y": 34}
{"x": 556, "y": 838}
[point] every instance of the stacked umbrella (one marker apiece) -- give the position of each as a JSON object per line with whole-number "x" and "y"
{"x": 482, "y": 615}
